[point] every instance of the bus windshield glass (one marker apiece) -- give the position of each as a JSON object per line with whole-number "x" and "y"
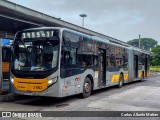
{"x": 35, "y": 51}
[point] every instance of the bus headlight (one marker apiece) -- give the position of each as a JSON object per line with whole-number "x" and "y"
{"x": 52, "y": 81}
{"x": 12, "y": 80}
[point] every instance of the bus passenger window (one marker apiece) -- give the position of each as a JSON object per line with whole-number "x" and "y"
{"x": 87, "y": 60}
{"x": 69, "y": 56}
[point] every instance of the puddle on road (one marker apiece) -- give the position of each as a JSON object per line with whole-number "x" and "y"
{"x": 62, "y": 105}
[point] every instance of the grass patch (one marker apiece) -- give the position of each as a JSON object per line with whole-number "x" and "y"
{"x": 155, "y": 68}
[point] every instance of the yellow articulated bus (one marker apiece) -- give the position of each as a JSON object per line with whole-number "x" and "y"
{"x": 6, "y": 58}
{"x": 59, "y": 62}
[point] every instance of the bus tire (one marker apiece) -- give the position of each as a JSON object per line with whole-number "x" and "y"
{"x": 121, "y": 81}
{"x": 142, "y": 77}
{"x": 87, "y": 88}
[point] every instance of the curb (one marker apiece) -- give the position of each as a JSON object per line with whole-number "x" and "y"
{"x": 7, "y": 98}
{"x": 155, "y": 73}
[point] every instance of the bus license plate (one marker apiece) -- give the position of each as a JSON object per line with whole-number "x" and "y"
{"x": 37, "y": 87}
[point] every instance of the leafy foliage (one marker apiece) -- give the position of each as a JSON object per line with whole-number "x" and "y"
{"x": 156, "y": 59}
{"x": 145, "y": 43}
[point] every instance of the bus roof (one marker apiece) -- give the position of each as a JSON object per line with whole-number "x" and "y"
{"x": 92, "y": 38}
{"x": 39, "y": 28}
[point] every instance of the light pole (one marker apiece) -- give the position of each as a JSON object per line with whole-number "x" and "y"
{"x": 139, "y": 41}
{"x": 83, "y": 16}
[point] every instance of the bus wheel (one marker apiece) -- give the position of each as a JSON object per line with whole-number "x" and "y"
{"x": 121, "y": 80}
{"x": 87, "y": 88}
{"x": 142, "y": 78}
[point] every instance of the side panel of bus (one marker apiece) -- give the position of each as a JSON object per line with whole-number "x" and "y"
{"x": 138, "y": 65}
{"x": 117, "y": 64}
{"x": 110, "y": 61}
{"x": 76, "y": 62}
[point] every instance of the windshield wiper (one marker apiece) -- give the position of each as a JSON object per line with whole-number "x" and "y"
{"x": 34, "y": 68}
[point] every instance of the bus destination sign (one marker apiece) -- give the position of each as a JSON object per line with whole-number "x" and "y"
{"x": 38, "y": 34}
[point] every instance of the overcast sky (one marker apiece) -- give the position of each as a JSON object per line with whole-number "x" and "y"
{"x": 121, "y": 19}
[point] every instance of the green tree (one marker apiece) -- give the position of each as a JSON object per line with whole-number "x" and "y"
{"x": 155, "y": 61}
{"x": 146, "y": 43}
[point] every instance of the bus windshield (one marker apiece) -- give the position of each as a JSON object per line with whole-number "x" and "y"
{"x": 35, "y": 54}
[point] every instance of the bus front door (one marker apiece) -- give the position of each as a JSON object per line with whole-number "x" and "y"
{"x": 102, "y": 68}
